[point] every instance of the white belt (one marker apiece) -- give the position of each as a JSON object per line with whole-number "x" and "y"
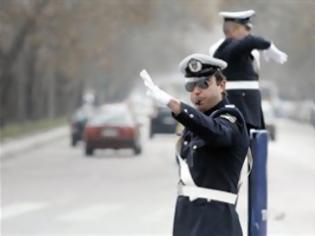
{"x": 191, "y": 190}
{"x": 194, "y": 192}
{"x": 241, "y": 84}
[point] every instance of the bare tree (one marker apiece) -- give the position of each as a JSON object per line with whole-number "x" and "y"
{"x": 51, "y": 51}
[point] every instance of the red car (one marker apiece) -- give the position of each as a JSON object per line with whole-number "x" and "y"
{"x": 113, "y": 127}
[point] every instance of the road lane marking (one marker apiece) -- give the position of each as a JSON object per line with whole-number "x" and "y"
{"x": 92, "y": 213}
{"x": 19, "y": 209}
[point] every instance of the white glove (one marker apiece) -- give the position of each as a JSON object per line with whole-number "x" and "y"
{"x": 273, "y": 53}
{"x": 154, "y": 91}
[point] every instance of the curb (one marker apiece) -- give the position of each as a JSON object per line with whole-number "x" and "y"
{"x": 13, "y": 147}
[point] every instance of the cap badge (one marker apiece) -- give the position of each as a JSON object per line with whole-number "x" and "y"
{"x": 194, "y": 65}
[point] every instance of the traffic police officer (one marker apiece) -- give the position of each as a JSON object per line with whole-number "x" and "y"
{"x": 211, "y": 150}
{"x": 238, "y": 50}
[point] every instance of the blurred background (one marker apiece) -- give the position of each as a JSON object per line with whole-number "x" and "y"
{"x": 62, "y": 62}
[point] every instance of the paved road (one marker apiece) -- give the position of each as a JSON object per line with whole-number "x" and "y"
{"x": 56, "y": 190}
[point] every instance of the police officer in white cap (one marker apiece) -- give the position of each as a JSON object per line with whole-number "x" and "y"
{"x": 211, "y": 150}
{"x": 239, "y": 50}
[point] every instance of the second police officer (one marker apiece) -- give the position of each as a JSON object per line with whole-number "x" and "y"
{"x": 239, "y": 50}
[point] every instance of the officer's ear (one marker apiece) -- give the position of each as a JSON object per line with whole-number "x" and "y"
{"x": 220, "y": 80}
{"x": 222, "y": 84}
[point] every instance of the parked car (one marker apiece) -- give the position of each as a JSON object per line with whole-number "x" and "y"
{"x": 114, "y": 127}
{"x": 78, "y": 122}
{"x": 269, "y": 117}
{"x": 162, "y": 122}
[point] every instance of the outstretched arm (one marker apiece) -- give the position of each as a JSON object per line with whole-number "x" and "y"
{"x": 247, "y": 44}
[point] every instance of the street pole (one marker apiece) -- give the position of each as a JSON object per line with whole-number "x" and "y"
{"x": 257, "y": 190}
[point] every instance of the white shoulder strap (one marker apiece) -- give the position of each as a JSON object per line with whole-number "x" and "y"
{"x": 256, "y": 61}
{"x": 248, "y": 165}
{"x": 215, "y": 46}
{"x": 184, "y": 172}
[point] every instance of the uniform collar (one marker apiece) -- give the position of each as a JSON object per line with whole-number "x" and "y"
{"x": 221, "y": 104}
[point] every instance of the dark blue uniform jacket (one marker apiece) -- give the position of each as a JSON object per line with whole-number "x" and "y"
{"x": 222, "y": 143}
{"x": 237, "y": 53}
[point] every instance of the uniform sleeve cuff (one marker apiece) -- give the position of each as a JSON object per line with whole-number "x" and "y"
{"x": 184, "y": 108}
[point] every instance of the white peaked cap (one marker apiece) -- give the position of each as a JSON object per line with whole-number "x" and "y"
{"x": 204, "y": 59}
{"x": 237, "y": 14}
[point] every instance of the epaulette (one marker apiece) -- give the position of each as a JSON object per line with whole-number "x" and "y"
{"x": 231, "y": 113}
{"x": 229, "y": 117}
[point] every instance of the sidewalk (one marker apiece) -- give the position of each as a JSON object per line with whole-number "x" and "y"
{"x": 13, "y": 147}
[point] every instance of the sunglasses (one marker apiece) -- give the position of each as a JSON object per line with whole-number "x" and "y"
{"x": 200, "y": 83}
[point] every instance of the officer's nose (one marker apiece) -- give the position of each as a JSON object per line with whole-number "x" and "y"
{"x": 196, "y": 90}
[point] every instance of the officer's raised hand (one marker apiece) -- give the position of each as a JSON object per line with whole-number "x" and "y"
{"x": 274, "y": 54}
{"x": 154, "y": 91}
